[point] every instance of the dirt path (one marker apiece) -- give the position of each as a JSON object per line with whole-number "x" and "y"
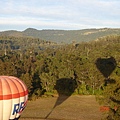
{"x": 71, "y": 108}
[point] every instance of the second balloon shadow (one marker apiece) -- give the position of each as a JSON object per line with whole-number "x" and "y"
{"x": 65, "y": 88}
{"x": 106, "y": 66}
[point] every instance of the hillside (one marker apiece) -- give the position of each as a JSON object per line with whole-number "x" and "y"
{"x": 8, "y": 42}
{"x": 87, "y": 68}
{"x": 64, "y": 36}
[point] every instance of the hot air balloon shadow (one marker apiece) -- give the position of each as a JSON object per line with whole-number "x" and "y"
{"x": 106, "y": 66}
{"x": 65, "y": 88}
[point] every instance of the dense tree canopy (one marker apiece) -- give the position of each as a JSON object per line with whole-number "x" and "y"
{"x": 41, "y": 68}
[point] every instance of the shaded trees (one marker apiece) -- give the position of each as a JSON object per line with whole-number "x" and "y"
{"x": 40, "y": 69}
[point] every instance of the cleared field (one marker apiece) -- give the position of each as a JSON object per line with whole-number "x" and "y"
{"x": 72, "y": 108}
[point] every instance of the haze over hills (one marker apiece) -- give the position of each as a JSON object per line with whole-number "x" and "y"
{"x": 64, "y": 36}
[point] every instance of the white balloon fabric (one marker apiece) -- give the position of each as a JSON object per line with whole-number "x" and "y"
{"x": 13, "y": 97}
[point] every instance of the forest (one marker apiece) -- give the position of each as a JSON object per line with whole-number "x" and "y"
{"x": 81, "y": 67}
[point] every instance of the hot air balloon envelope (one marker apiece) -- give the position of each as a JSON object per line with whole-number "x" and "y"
{"x": 13, "y": 97}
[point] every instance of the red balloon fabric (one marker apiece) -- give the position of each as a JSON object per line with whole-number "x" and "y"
{"x": 13, "y": 97}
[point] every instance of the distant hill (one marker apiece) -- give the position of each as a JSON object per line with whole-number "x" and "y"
{"x": 12, "y": 33}
{"x": 64, "y": 36}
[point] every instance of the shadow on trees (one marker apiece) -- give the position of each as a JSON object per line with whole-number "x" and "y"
{"x": 106, "y": 66}
{"x": 65, "y": 88}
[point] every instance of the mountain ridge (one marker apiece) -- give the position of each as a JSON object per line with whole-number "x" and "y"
{"x": 64, "y": 36}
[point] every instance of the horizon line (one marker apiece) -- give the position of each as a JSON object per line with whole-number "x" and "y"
{"x": 57, "y": 29}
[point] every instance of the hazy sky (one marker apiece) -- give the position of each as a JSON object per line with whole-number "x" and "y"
{"x": 59, "y": 14}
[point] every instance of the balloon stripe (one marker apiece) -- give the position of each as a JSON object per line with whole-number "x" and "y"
{"x": 12, "y": 96}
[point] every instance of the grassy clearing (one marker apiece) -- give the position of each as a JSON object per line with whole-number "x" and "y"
{"x": 73, "y": 108}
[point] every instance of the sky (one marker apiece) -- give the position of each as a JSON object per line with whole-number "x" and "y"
{"x": 59, "y": 14}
